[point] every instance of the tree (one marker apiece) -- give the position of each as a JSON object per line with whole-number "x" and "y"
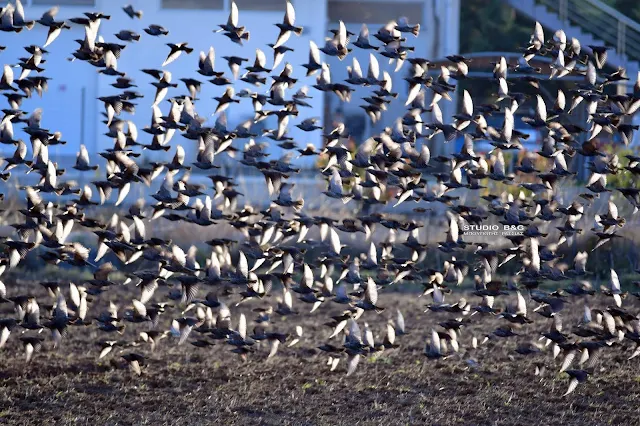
{"x": 491, "y": 25}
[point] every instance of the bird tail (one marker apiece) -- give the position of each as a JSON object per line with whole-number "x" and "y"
{"x": 415, "y": 30}
{"x": 298, "y": 30}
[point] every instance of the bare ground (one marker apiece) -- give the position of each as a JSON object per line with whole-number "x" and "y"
{"x": 190, "y": 385}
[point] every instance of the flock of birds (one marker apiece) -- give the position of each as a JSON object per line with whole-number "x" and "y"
{"x": 275, "y": 263}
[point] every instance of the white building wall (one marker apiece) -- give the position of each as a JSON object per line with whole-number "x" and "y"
{"x": 443, "y": 17}
{"x": 63, "y": 103}
{"x": 439, "y": 37}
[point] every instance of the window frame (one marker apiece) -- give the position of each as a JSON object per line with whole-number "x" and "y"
{"x": 224, "y": 5}
{"x": 61, "y": 3}
{"x": 271, "y": 6}
{"x": 375, "y": 12}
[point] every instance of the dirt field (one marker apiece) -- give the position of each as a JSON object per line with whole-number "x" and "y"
{"x": 190, "y": 385}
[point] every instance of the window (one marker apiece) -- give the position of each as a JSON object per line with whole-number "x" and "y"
{"x": 269, "y": 5}
{"x": 193, "y": 4}
{"x": 374, "y": 12}
{"x": 63, "y": 2}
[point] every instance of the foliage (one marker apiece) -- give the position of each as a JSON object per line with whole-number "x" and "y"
{"x": 490, "y": 25}
{"x": 622, "y": 179}
{"x": 630, "y": 8}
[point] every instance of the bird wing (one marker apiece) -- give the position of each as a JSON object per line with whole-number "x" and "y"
{"x": 7, "y": 77}
{"x": 374, "y": 67}
{"x": 615, "y": 282}
{"x": 522, "y": 305}
{"x": 287, "y": 298}
{"x": 342, "y": 35}
{"x": 561, "y": 101}
{"x": 335, "y": 241}
{"x": 7, "y": 16}
{"x": 573, "y": 384}
{"x": 453, "y": 230}
{"x": 356, "y": 70}
{"x": 507, "y": 129}
{"x": 560, "y": 162}
{"x": 335, "y": 183}
{"x": 535, "y": 255}
{"x": 437, "y": 113}
{"x": 18, "y": 14}
{"x": 538, "y": 33}
{"x": 178, "y": 255}
{"x": 242, "y": 326}
{"x": 52, "y": 176}
{"x": 314, "y": 53}
{"x": 83, "y": 155}
{"x": 435, "y": 342}
{"x": 467, "y": 104}
{"x": 74, "y": 294}
{"x": 373, "y": 255}
{"x": 285, "y": 192}
{"x": 580, "y": 261}
{"x": 613, "y": 209}
{"x": 60, "y": 312}
{"x": 290, "y": 15}
{"x": 233, "y": 15}
{"x": 609, "y": 322}
{"x": 586, "y": 316}
{"x": 261, "y": 59}
{"x": 307, "y": 276}
{"x": 591, "y": 73}
{"x": 172, "y": 56}
{"x": 139, "y": 227}
{"x": 541, "y": 109}
{"x": 354, "y": 334}
{"x": 438, "y": 297}
{"x": 325, "y": 75}
{"x": 498, "y": 164}
{"x": 400, "y": 321}
{"x": 352, "y": 363}
{"x": 139, "y": 308}
{"x": 567, "y": 361}
{"x": 243, "y": 266}
{"x": 371, "y": 293}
